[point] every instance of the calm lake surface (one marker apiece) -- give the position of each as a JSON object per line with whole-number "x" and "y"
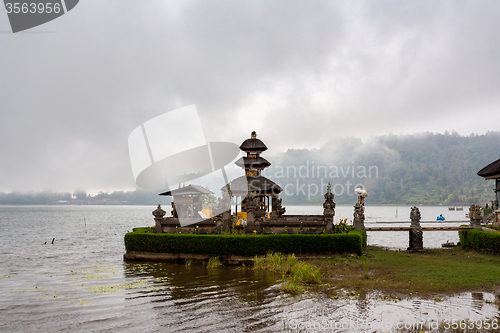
{"x": 80, "y": 283}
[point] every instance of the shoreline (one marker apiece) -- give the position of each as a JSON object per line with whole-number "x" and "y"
{"x": 429, "y": 272}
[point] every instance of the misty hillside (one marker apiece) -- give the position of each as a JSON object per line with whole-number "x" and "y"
{"x": 429, "y": 169}
{"x": 395, "y": 169}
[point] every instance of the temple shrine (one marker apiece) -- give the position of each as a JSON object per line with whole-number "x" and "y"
{"x": 253, "y": 184}
{"x": 258, "y": 208}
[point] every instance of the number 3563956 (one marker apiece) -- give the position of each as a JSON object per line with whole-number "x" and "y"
{"x": 471, "y": 324}
{"x": 32, "y": 8}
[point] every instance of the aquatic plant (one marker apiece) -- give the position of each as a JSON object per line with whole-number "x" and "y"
{"x": 134, "y": 284}
{"x": 305, "y": 273}
{"x": 214, "y": 262}
{"x": 290, "y": 286}
{"x": 294, "y": 273}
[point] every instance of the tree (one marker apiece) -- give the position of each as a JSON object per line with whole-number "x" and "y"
{"x": 80, "y": 195}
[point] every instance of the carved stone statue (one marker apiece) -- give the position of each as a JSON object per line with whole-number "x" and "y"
{"x": 359, "y": 209}
{"x": 415, "y": 217}
{"x": 158, "y": 213}
{"x": 329, "y": 205}
{"x": 329, "y": 209}
{"x": 359, "y": 216}
{"x": 277, "y": 209}
{"x": 475, "y": 216}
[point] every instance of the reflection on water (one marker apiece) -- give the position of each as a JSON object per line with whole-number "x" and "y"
{"x": 81, "y": 284}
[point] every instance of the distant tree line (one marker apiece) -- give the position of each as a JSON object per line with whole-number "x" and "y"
{"x": 137, "y": 197}
{"x": 425, "y": 168}
{"x": 420, "y": 169}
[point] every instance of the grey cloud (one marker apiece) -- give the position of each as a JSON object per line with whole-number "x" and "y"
{"x": 299, "y": 73}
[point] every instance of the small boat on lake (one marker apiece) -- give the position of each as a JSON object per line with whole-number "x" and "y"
{"x": 440, "y": 217}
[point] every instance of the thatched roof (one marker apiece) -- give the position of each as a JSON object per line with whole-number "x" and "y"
{"x": 490, "y": 171}
{"x": 253, "y": 162}
{"x": 188, "y": 190}
{"x": 253, "y": 144}
{"x": 259, "y": 184}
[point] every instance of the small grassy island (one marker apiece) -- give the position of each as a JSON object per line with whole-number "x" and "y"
{"x": 256, "y": 225}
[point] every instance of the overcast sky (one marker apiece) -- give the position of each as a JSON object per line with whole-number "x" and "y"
{"x": 300, "y": 73}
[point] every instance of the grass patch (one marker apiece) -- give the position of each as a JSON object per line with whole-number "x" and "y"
{"x": 294, "y": 273}
{"x": 494, "y": 227}
{"x": 214, "y": 262}
{"x": 432, "y": 271}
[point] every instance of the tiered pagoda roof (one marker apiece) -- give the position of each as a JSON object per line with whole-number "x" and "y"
{"x": 253, "y": 164}
{"x": 259, "y": 184}
{"x": 253, "y": 144}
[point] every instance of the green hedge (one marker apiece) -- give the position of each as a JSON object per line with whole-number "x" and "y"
{"x": 479, "y": 240}
{"x": 244, "y": 245}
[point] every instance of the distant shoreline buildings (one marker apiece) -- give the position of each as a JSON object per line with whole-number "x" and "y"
{"x": 105, "y": 201}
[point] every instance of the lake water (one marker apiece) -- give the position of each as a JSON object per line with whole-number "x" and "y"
{"x": 80, "y": 283}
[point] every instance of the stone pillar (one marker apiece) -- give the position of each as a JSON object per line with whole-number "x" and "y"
{"x": 158, "y": 213}
{"x": 226, "y": 221}
{"x": 329, "y": 209}
{"x": 250, "y": 227}
{"x": 256, "y": 226}
{"x": 475, "y": 216}
{"x": 251, "y": 207}
{"x": 219, "y": 225}
{"x": 359, "y": 216}
{"x": 416, "y": 234}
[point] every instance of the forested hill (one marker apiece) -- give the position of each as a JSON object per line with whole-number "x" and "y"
{"x": 395, "y": 169}
{"x": 428, "y": 169}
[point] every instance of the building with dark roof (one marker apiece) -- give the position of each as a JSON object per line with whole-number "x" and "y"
{"x": 187, "y": 200}
{"x": 492, "y": 171}
{"x": 261, "y": 187}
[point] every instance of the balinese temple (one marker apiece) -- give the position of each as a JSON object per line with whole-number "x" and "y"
{"x": 187, "y": 201}
{"x": 262, "y": 188}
